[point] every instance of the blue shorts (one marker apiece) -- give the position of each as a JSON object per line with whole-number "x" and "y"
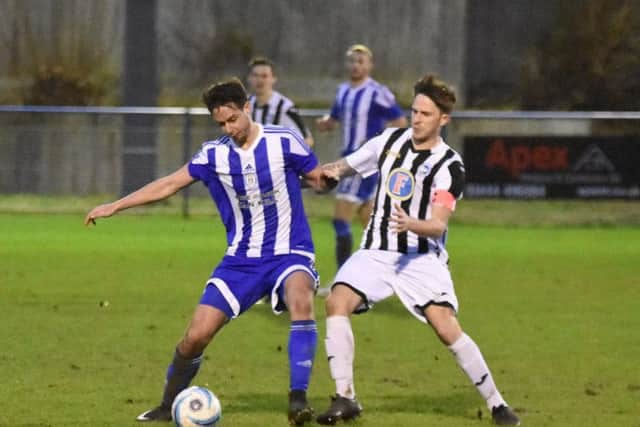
{"x": 356, "y": 189}
{"x": 238, "y": 283}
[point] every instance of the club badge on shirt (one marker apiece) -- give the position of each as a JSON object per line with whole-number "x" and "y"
{"x": 250, "y": 177}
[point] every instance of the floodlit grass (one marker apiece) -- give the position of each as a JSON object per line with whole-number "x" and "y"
{"x": 554, "y": 310}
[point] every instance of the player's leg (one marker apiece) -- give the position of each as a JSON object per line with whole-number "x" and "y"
{"x": 352, "y": 293}
{"x": 339, "y": 343}
{"x": 425, "y": 288}
{"x": 205, "y": 323}
{"x": 444, "y": 322}
{"x": 300, "y": 281}
{"x": 340, "y": 348}
{"x": 344, "y": 211}
{"x": 303, "y": 333}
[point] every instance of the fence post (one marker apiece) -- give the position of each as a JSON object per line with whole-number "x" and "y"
{"x": 186, "y": 154}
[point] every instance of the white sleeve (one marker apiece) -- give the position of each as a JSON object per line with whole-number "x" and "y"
{"x": 365, "y": 159}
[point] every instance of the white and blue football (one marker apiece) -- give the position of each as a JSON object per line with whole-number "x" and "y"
{"x": 196, "y": 407}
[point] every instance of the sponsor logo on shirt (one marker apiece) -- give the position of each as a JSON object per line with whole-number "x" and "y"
{"x": 400, "y": 184}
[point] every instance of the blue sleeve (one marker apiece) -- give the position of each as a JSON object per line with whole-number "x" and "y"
{"x": 387, "y": 106}
{"x": 394, "y": 112}
{"x": 298, "y": 155}
{"x": 200, "y": 168}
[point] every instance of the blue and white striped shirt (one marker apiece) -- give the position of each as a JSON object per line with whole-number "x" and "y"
{"x": 257, "y": 191}
{"x": 363, "y": 111}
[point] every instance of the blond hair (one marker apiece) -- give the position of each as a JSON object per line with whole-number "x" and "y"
{"x": 359, "y": 48}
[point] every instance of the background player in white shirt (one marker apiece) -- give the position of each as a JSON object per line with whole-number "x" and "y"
{"x": 270, "y": 107}
{"x": 252, "y": 173}
{"x": 403, "y": 248}
{"x": 363, "y": 107}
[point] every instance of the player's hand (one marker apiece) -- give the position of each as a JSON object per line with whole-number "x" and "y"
{"x": 329, "y": 183}
{"x": 102, "y": 211}
{"x": 400, "y": 221}
{"x": 332, "y": 171}
{"x": 324, "y": 123}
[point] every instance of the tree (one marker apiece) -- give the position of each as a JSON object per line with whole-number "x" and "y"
{"x": 59, "y": 53}
{"x": 590, "y": 60}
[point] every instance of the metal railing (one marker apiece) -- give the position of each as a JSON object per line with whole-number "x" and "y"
{"x": 79, "y": 150}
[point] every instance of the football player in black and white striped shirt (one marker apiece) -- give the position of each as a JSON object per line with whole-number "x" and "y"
{"x": 403, "y": 247}
{"x": 270, "y": 107}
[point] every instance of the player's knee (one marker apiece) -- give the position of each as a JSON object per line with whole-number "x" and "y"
{"x": 445, "y": 325}
{"x": 301, "y": 308}
{"x": 332, "y": 305}
{"x": 195, "y": 340}
{"x": 300, "y": 304}
{"x": 342, "y": 227}
{"x": 342, "y": 301}
{"x": 447, "y": 335}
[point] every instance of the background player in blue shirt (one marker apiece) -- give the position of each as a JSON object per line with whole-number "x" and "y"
{"x": 252, "y": 173}
{"x": 364, "y": 107}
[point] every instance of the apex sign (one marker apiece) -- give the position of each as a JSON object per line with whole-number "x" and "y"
{"x": 516, "y": 158}
{"x": 552, "y": 167}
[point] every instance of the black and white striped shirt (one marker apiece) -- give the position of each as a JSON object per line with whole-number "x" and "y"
{"x": 279, "y": 110}
{"x": 408, "y": 177}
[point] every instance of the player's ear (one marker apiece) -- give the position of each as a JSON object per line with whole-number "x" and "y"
{"x": 445, "y": 119}
{"x": 247, "y": 107}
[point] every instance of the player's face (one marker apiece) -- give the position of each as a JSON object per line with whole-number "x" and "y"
{"x": 261, "y": 79}
{"x": 426, "y": 119}
{"x": 358, "y": 66}
{"x": 233, "y": 121}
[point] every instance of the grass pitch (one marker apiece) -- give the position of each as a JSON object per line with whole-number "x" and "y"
{"x": 554, "y": 310}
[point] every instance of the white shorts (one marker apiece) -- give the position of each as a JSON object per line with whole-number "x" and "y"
{"x": 417, "y": 279}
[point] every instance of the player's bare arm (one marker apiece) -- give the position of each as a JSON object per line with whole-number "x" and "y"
{"x": 156, "y": 190}
{"x": 433, "y": 227}
{"x": 319, "y": 181}
{"x": 338, "y": 169}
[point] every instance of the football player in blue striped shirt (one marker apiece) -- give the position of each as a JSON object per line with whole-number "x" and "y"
{"x": 364, "y": 107}
{"x": 252, "y": 174}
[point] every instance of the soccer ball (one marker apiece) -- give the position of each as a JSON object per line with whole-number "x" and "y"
{"x": 196, "y": 407}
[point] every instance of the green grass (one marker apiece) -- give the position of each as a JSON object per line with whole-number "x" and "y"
{"x": 554, "y": 310}
{"x": 478, "y": 212}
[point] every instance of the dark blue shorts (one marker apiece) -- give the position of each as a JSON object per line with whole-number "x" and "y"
{"x": 238, "y": 283}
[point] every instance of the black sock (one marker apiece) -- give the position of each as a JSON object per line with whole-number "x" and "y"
{"x": 179, "y": 376}
{"x": 343, "y": 248}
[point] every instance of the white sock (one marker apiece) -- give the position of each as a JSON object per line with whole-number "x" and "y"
{"x": 470, "y": 359}
{"x": 340, "y": 347}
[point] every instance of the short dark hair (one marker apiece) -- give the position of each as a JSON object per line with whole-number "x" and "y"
{"x": 262, "y": 60}
{"x": 222, "y": 93}
{"x": 440, "y": 92}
